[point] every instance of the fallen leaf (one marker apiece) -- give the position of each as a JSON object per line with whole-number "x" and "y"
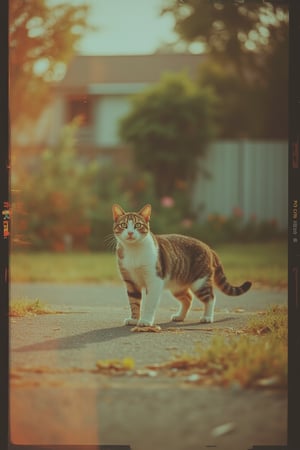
{"x": 146, "y": 373}
{"x": 223, "y": 429}
{"x": 156, "y": 366}
{"x": 153, "y": 329}
{"x": 265, "y": 382}
{"x": 194, "y": 377}
{"x": 116, "y": 364}
{"x": 263, "y": 330}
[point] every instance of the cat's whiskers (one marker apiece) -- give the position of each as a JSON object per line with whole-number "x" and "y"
{"x": 110, "y": 241}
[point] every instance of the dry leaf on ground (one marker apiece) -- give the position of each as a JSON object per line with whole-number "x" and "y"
{"x": 153, "y": 329}
{"x": 223, "y": 429}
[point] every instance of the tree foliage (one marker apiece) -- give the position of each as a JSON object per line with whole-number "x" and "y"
{"x": 247, "y": 44}
{"x": 236, "y": 32}
{"x": 169, "y": 126}
{"x": 41, "y": 41}
{"x": 237, "y": 102}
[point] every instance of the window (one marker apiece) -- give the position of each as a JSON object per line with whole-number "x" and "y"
{"x": 109, "y": 111}
{"x": 80, "y": 106}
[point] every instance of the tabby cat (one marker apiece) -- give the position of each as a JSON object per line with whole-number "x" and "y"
{"x": 149, "y": 263}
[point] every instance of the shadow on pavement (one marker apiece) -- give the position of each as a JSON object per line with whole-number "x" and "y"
{"x": 78, "y": 340}
{"x": 105, "y": 334}
{"x": 198, "y": 325}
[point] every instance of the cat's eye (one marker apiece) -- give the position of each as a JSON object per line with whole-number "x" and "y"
{"x": 123, "y": 225}
{"x": 138, "y": 225}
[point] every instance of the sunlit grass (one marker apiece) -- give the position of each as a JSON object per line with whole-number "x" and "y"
{"x": 63, "y": 267}
{"x": 255, "y": 358}
{"x": 263, "y": 264}
{"x": 247, "y": 361}
{"x": 21, "y": 308}
{"x": 273, "y": 322}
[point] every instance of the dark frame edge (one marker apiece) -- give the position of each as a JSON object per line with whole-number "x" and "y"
{"x": 293, "y": 226}
{"x": 5, "y": 226}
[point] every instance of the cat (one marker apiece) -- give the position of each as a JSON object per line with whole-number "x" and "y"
{"x": 149, "y": 263}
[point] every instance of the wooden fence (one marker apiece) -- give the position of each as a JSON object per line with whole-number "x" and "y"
{"x": 244, "y": 176}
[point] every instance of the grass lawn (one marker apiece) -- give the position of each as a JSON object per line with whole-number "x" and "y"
{"x": 257, "y": 358}
{"x": 265, "y": 264}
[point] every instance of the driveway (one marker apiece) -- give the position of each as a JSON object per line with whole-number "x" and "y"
{"x": 57, "y": 396}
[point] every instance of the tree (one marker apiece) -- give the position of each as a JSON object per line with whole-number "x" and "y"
{"x": 235, "y": 32}
{"x": 169, "y": 127}
{"x": 41, "y": 41}
{"x": 248, "y": 42}
{"x": 275, "y": 86}
{"x": 237, "y": 101}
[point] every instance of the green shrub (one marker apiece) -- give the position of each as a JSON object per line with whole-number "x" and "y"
{"x": 169, "y": 127}
{"x": 52, "y": 201}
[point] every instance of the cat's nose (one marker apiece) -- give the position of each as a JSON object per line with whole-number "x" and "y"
{"x": 130, "y": 233}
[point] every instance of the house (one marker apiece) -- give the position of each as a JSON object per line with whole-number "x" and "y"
{"x": 236, "y": 175}
{"x": 98, "y": 89}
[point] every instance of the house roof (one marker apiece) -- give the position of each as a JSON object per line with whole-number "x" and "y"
{"x": 106, "y": 73}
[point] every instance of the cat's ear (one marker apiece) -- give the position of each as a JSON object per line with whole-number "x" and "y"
{"x": 145, "y": 212}
{"x": 117, "y": 212}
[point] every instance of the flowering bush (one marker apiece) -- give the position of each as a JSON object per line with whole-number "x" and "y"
{"x": 218, "y": 228}
{"x": 51, "y": 202}
{"x": 167, "y": 202}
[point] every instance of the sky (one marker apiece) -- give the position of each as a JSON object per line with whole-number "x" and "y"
{"x": 126, "y": 27}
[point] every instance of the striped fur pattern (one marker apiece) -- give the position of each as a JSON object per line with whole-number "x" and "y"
{"x": 149, "y": 263}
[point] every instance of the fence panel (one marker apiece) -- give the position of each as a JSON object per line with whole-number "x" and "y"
{"x": 249, "y": 175}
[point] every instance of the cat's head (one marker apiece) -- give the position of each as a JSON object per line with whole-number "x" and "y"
{"x": 131, "y": 227}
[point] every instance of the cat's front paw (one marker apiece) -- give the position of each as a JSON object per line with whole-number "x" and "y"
{"x": 206, "y": 319}
{"x": 145, "y": 323}
{"x": 177, "y": 318}
{"x": 130, "y": 321}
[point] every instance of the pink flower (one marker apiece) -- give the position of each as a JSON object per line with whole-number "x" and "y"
{"x": 187, "y": 223}
{"x": 237, "y": 212}
{"x": 273, "y": 222}
{"x": 167, "y": 202}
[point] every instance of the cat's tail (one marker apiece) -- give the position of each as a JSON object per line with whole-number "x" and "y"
{"x": 222, "y": 283}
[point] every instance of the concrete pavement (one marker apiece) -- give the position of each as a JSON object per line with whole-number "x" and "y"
{"x": 57, "y": 397}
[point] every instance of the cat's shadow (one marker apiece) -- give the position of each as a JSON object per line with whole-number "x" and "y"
{"x": 196, "y": 325}
{"x": 78, "y": 341}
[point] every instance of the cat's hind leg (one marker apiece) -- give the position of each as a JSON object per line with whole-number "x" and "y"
{"x": 206, "y": 295}
{"x": 209, "y": 308}
{"x": 185, "y": 298}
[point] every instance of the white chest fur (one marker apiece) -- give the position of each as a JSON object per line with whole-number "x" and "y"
{"x": 140, "y": 260}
